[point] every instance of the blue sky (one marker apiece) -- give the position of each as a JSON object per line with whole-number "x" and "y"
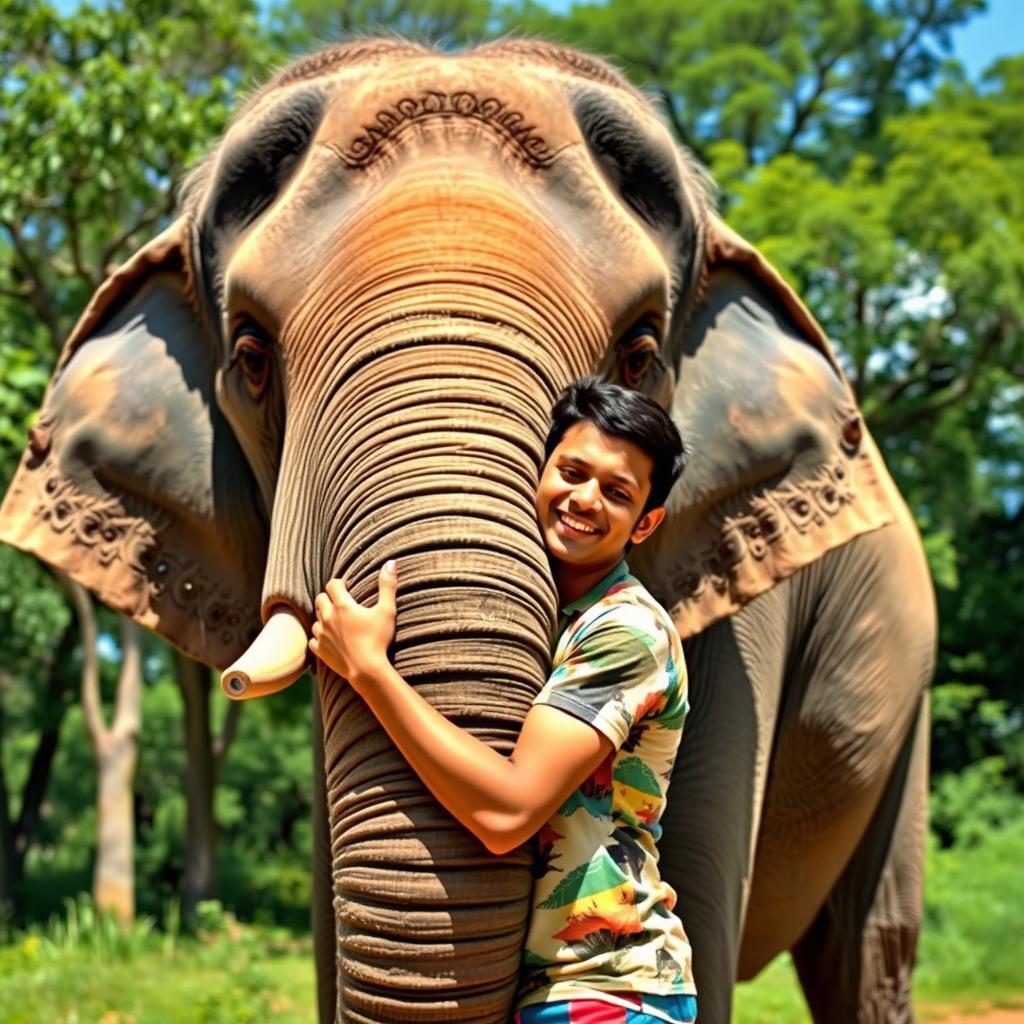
{"x": 997, "y": 33}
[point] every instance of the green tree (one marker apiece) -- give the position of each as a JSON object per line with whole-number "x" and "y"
{"x": 102, "y": 109}
{"x": 309, "y": 23}
{"x": 774, "y": 76}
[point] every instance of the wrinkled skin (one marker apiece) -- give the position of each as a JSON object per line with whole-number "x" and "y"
{"x": 345, "y": 350}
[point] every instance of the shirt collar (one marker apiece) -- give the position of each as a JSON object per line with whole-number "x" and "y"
{"x": 596, "y": 592}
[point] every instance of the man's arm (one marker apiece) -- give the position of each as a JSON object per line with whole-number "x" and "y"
{"x": 501, "y": 800}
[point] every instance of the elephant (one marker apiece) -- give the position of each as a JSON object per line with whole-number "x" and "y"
{"x": 345, "y": 348}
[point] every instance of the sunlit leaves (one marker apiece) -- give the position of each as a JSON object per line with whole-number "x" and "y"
{"x": 445, "y": 23}
{"x": 102, "y": 109}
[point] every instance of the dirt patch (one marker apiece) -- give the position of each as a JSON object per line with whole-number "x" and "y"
{"x": 981, "y": 1016}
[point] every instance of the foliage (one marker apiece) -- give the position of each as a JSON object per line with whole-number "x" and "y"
{"x": 262, "y": 805}
{"x": 230, "y": 974}
{"x": 982, "y": 738}
{"x": 32, "y": 615}
{"x": 772, "y": 76}
{"x": 102, "y": 109}
{"x": 85, "y": 931}
{"x": 309, "y": 23}
{"x": 973, "y": 899}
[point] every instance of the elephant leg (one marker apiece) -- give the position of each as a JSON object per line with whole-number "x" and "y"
{"x": 855, "y": 960}
{"x": 710, "y": 825}
{"x": 324, "y": 942}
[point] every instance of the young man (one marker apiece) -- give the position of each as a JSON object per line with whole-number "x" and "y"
{"x": 590, "y": 768}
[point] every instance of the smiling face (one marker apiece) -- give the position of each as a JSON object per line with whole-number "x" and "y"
{"x": 590, "y": 505}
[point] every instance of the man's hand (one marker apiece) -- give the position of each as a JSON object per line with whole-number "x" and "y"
{"x": 353, "y": 640}
{"x": 501, "y": 800}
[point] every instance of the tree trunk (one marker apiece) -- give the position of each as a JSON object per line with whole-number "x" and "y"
{"x": 113, "y": 886}
{"x": 204, "y": 755}
{"x": 16, "y": 834}
{"x": 116, "y": 755}
{"x": 6, "y": 836}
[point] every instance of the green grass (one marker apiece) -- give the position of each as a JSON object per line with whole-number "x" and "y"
{"x": 81, "y": 970}
{"x": 245, "y": 976}
{"x": 155, "y": 990}
{"x": 773, "y": 997}
{"x": 974, "y": 917}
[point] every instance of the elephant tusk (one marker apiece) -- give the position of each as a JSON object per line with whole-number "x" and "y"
{"x": 274, "y": 660}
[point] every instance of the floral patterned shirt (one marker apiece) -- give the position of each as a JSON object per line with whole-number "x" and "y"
{"x": 602, "y": 919}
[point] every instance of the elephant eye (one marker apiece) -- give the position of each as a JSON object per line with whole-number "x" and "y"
{"x": 638, "y": 351}
{"x": 252, "y": 356}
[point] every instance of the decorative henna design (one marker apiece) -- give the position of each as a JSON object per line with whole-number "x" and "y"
{"x": 128, "y": 533}
{"x": 787, "y": 516}
{"x": 510, "y": 125}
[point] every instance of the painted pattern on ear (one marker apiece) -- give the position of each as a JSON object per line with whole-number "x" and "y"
{"x": 782, "y": 468}
{"x": 132, "y": 482}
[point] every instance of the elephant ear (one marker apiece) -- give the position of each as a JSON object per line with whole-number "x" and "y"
{"x": 133, "y": 483}
{"x": 781, "y": 468}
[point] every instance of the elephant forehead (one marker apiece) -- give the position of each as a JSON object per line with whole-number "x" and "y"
{"x": 530, "y": 74}
{"x": 388, "y": 52}
{"x": 528, "y": 109}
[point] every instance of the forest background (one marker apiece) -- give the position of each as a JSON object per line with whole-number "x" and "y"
{"x": 849, "y": 144}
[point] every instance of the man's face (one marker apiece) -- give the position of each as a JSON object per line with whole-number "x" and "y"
{"x": 590, "y": 498}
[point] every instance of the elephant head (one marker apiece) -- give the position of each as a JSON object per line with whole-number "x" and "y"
{"x": 345, "y": 349}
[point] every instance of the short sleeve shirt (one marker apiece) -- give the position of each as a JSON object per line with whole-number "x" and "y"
{"x": 603, "y": 919}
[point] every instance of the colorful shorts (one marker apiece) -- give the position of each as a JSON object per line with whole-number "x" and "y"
{"x": 678, "y": 1009}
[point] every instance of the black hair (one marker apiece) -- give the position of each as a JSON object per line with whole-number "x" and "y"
{"x": 627, "y": 414}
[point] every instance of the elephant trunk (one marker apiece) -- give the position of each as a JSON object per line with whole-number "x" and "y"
{"x": 429, "y": 924}
{"x": 428, "y": 359}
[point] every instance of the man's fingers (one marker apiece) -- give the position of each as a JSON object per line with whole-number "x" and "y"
{"x": 323, "y": 605}
{"x": 388, "y": 583}
{"x": 338, "y": 592}
{"x": 317, "y": 629}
